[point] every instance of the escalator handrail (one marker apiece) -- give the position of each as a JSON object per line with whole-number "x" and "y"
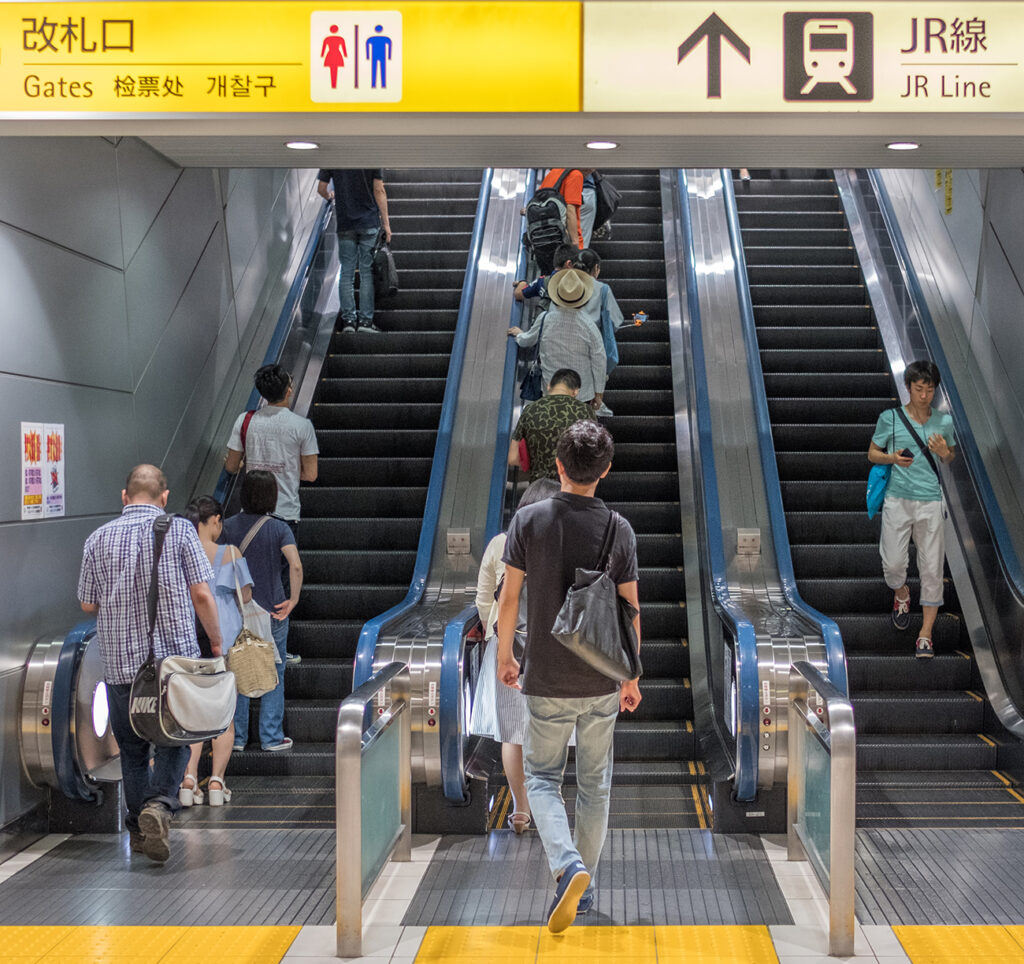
{"x": 1005, "y": 549}
{"x": 834, "y": 651}
{"x": 499, "y": 474}
{"x": 742, "y": 629}
{"x": 284, "y": 323}
{"x": 453, "y": 774}
{"x": 371, "y": 630}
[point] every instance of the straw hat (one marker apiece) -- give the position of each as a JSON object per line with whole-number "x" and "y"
{"x": 571, "y": 288}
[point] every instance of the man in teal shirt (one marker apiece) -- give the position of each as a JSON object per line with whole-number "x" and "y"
{"x": 913, "y": 499}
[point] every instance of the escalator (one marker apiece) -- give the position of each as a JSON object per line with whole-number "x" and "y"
{"x": 654, "y": 745}
{"x": 927, "y": 738}
{"x": 376, "y": 411}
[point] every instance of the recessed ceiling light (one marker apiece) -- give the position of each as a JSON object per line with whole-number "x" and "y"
{"x": 903, "y": 146}
{"x": 602, "y": 145}
{"x": 302, "y": 145}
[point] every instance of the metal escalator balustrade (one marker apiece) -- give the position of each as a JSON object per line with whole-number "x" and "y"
{"x": 376, "y": 411}
{"x": 656, "y": 743}
{"x": 926, "y": 741}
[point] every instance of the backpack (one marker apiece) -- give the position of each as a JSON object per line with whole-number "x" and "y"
{"x": 608, "y": 199}
{"x": 545, "y": 224}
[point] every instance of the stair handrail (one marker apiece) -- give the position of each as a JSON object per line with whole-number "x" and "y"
{"x": 748, "y": 697}
{"x": 226, "y": 481}
{"x": 363, "y": 668}
{"x": 1005, "y": 549}
{"x": 835, "y": 654}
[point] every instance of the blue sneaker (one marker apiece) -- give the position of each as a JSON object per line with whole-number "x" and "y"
{"x": 574, "y": 880}
{"x": 586, "y": 902}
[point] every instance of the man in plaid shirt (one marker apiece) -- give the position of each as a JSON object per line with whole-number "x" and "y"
{"x": 117, "y": 567}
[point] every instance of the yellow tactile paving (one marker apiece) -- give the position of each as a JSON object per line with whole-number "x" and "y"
{"x": 959, "y": 943}
{"x": 1016, "y": 931}
{"x": 479, "y": 943}
{"x": 144, "y": 945}
{"x": 715, "y": 945}
{"x": 30, "y": 942}
{"x": 593, "y": 944}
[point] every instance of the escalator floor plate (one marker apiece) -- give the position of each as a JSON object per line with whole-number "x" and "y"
{"x": 939, "y": 876}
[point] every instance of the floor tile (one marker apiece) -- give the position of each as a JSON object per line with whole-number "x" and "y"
{"x": 481, "y": 944}
{"x": 882, "y": 940}
{"x": 794, "y": 941}
{"x": 31, "y": 941}
{"x": 714, "y": 945}
{"x": 635, "y": 944}
{"x": 958, "y": 943}
{"x": 143, "y": 944}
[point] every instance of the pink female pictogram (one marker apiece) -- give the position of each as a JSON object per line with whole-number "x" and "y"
{"x": 334, "y": 53}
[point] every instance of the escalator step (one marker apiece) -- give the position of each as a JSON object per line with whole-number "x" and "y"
{"x": 664, "y": 620}
{"x": 386, "y": 366}
{"x": 370, "y": 501}
{"x": 366, "y": 443}
{"x": 634, "y": 402}
{"x": 804, "y": 274}
{"x": 784, "y": 220}
{"x": 621, "y": 486}
{"x": 932, "y": 752}
{"x": 655, "y": 549}
{"x": 320, "y": 679}
{"x": 435, "y": 341}
{"x": 632, "y": 376}
{"x": 661, "y": 584}
{"x": 875, "y": 633}
{"x": 829, "y": 385}
{"x": 815, "y": 466}
{"x": 836, "y": 496}
{"x": 362, "y": 389}
{"x": 874, "y": 671}
{"x": 859, "y": 595}
{"x": 646, "y": 428}
{"x": 335, "y": 639}
{"x": 664, "y": 658}
{"x": 642, "y": 456}
{"x": 385, "y": 414}
{"x": 648, "y": 516}
{"x": 759, "y": 257}
{"x": 846, "y": 528}
{"x": 389, "y": 567}
{"x": 779, "y": 337}
{"x": 831, "y": 410}
{"x": 807, "y": 294}
{"x": 914, "y": 711}
{"x": 372, "y": 471}
{"x": 348, "y": 533}
{"x": 653, "y": 740}
{"x": 813, "y": 316}
{"x": 843, "y": 360}
{"x": 805, "y": 236}
{"x": 349, "y": 601}
{"x": 748, "y": 201}
{"x": 835, "y": 561}
{"x": 825, "y": 438}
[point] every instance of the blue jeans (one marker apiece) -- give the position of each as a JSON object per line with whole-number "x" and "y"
{"x": 356, "y": 247}
{"x": 550, "y": 725}
{"x": 141, "y": 782}
{"x": 271, "y": 704}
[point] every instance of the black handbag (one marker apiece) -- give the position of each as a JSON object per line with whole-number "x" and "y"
{"x": 178, "y": 700}
{"x": 607, "y": 197}
{"x": 532, "y": 386}
{"x": 595, "y": 623}
{"x": 385, "y": 274}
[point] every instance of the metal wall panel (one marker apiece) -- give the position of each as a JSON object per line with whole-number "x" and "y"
{"x": 159, "y": 272}
{"x": 17, "y": 795}
{"x": 64, "y": 314}
{"x": 72, "y": 202}
{"x": 252, "y": 198}
{"x": 145, "y": 179}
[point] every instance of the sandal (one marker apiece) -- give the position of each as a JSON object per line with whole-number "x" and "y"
{"x": 190, "y": 795}
{"x": 218, "y": 795}
{"x": 518, "y": 822}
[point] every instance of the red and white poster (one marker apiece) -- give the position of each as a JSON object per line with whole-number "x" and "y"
{"x": 42, "y": 470}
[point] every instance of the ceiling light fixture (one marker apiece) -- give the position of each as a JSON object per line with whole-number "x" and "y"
{"x": 302, "y": 145}
{"x": 903, "y": 146}
{"x": 602, "y": 145}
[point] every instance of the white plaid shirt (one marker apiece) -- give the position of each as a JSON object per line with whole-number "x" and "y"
{"x": 117, "y": 565}
{"x": 568, "y": 340}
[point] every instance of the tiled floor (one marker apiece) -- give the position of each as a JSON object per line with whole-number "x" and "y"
{"x": 386, "y": 939}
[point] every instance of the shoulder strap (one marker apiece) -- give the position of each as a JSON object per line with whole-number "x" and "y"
{"x": 160, "y": 526}
{"x": 566, "y": 171}
{"x": 245, "y": 427}
{"x": 920, "y": 444}
{"x": 608, "y": 543}
{"x": 251, "y": 534}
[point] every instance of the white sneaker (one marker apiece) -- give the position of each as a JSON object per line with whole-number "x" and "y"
{"x": 604, "y": 411}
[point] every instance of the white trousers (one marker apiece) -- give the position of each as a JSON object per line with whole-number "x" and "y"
{"x": 926, "y": 522}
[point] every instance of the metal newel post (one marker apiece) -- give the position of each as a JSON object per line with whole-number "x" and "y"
{"x": 348, "y": 844}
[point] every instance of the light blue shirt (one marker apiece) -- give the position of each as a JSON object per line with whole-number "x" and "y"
{"x": 917, "y": 481}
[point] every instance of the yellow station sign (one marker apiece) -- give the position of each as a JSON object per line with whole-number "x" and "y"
{"x": 241, "y": 57}
{"x": 793, "y": 57}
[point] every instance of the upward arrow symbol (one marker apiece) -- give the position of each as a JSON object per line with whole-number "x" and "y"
{"x": 715, "y": 29}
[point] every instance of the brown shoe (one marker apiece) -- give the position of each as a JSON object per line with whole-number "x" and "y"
{"x": 155, "y": 825}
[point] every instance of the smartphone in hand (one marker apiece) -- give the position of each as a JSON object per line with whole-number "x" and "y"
{"x": 907, "y": 454}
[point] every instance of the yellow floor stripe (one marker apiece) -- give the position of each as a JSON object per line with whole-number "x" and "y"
{"x": 999, "y": 776}
{"x": 700, "y": 810}
{"x": 599, "y": 945}
{"x": 961, "y": 943}
{"x": 985, "y": 739}
{"x": 1016, "y": 796}
{"x": 146, "y": 945}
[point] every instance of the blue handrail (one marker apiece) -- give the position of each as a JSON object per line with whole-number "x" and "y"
{"x": 1005, "y": 549}
{"x": 835, "y": 655}
{"x": 284, "y": 323}
{"x": 371, "y": 630}
{"x": 748, "y": 696}
{"x": 69, "y": 778}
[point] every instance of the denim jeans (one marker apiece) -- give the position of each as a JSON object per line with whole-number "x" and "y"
{"x": 271, "y": 704}
{"x": 356, "y": 247}
{"x": 550, "y": 725}
{"x": 141, "y": 782}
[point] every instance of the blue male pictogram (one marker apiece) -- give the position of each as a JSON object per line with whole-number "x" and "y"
{"x": 378, "y": 52}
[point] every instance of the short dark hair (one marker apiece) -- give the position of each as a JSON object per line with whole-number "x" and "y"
{"x": 145, "y": 480}
{"x": 272, "y": 382}
{"x": 203, "y": 508}
{"x": 567, "y": 377}
{"x": 922, "y": 371}
{"x": 587, "y": 260}
{"x": 563, "y": 253}
{"x": 259, "y": 492}
{"x": 585, "y": 450}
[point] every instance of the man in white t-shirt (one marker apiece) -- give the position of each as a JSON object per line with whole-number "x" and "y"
{"x": 277, "y": 440}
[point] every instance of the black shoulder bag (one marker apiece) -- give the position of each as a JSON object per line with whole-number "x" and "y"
{"x": 595, "y": 623}
{"x": 917, "y": 438}
{"x": 177, "y": 700}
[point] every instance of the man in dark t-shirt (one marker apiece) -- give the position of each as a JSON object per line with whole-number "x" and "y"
{"x": 361, "y": 211}
{"x": 549, "y": 540}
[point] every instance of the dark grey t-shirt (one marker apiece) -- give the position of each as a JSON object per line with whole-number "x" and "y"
{"x": 549, "y": 541}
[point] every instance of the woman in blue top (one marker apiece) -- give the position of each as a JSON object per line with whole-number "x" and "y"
{"x": 913, "y": 498}
{"x": 231, "y": 572}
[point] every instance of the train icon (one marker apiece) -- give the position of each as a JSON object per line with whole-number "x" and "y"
{"x": 828, "y": 54}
